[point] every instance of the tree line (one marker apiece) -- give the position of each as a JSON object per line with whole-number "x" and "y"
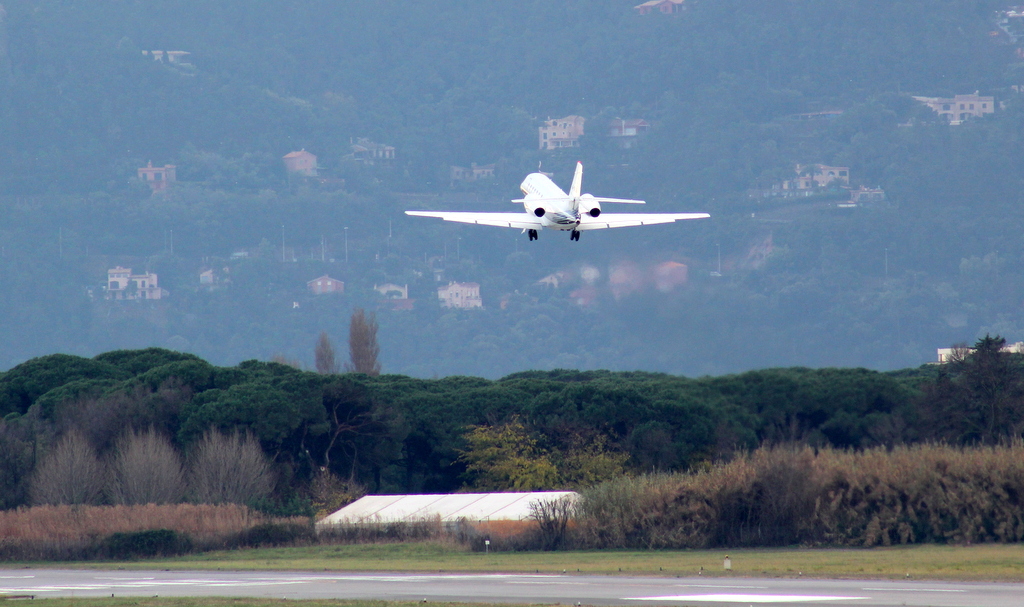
{"x": 125, "y": 416}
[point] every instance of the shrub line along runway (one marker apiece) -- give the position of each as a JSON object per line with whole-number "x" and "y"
{"x": 507, "y": 588}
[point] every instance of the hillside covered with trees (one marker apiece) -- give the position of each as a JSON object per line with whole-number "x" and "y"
{"x": 736, "y": 93}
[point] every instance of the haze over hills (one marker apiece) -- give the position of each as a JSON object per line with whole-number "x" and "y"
{"x": 736, "y": 94}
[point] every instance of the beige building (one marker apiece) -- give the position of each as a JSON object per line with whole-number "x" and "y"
{"x": 176, "y": 57}
{"x": 300, "y": 163}
{"x": 392, "y": 291}
{"x": 946, "y": 355}
{"x": 561, "y": 132}
{"x": 961, "y": 107}
{"x": 665, "y": 7}
{"x": 158, "y": 177}
{"x": 122, "y": 284}
{"x": 810, "y": 176}
{"x": 865, "y": 195}
{"x": 370, "y": 152}
{"x": 460, "y": 295}
{"x": 474, "y": 172}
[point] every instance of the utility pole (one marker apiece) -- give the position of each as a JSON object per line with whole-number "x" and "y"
{"x": 282, "y": 242}
{"x": 346, "y": 245}
{"x": 323, "y": 246}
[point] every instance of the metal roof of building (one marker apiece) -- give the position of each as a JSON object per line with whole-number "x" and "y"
{"x": 443, "y": 507}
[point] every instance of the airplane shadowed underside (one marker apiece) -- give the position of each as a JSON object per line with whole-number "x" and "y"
{"x": 547, "y": 206}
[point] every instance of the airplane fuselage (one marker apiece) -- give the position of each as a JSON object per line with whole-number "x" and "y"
{"x": 556, "y": 209}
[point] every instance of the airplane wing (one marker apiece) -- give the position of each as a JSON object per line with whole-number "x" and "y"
{"x": 625, "y": 220}
{"x": 522, "y": 221}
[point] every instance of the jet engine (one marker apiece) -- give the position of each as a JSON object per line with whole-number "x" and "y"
{"x": 589, "y": 205}
{"x": 539, "y": 211}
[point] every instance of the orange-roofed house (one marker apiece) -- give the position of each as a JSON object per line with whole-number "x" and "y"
{"x": 300, "y": 163}
{"x": 669, "y": 275}
{"x": 325, "y": 284}
{"x": 158, "y": 177}
{"x": 625, "y": 131}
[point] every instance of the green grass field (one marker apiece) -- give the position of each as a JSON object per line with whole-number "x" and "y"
{"x": 981, "y": 562}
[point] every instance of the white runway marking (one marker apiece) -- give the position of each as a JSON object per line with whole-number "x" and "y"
{"x": 150, "y": 584}
{"x": 552, "y": 583}
{"x": 721, "y": 586}
{"x": 747, "y": 598}
{"x": 915, "y": 589}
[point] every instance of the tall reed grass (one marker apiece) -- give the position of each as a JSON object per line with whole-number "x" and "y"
{"x": 73, "y": 532}
{"x": 782, "y": 496}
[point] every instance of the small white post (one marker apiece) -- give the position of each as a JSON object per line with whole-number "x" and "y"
{"x": 728, "y": 563}
{"x": 487, "y": 546}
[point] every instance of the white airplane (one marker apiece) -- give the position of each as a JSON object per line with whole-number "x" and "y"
{"x": 547, "y": 206}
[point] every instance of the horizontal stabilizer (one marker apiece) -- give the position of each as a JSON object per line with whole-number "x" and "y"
{"x": 620, "y": 200}
{"x": 627, "y": 220}
{"x": 539, "y": 200}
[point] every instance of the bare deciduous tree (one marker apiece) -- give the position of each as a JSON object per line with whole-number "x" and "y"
{"x": 146, "y": 470}
{"x": 229, "y": 469}
{"x": 281, "y": 359}
{"x": 362, "y": 343}
{"x": 325, "y": 361}
{"x": 103, "y": 418}
{"x": 70, "y": 474}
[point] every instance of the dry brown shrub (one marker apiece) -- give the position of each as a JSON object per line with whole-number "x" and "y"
{"x": 330, "y": 493}
{"x": 504, "y": 529}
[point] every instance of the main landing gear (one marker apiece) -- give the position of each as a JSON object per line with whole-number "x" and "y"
{"x": 532, "y": 234}
{"x": 575, "y": 235}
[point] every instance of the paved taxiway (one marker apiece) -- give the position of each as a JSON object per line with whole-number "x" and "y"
{"x": 564, "y": 589}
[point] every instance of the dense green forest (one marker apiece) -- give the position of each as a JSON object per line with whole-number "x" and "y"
{"x": 529, "y": 430}
{"x": 453, "y": 82}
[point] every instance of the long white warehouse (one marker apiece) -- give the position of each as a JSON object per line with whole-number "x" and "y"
{"x": 471, "y": 507}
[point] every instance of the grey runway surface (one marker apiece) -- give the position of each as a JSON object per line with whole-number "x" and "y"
{"x": 509, "y": 588}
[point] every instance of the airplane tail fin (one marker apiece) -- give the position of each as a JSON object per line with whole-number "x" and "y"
{"x": 577, "y": 182}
